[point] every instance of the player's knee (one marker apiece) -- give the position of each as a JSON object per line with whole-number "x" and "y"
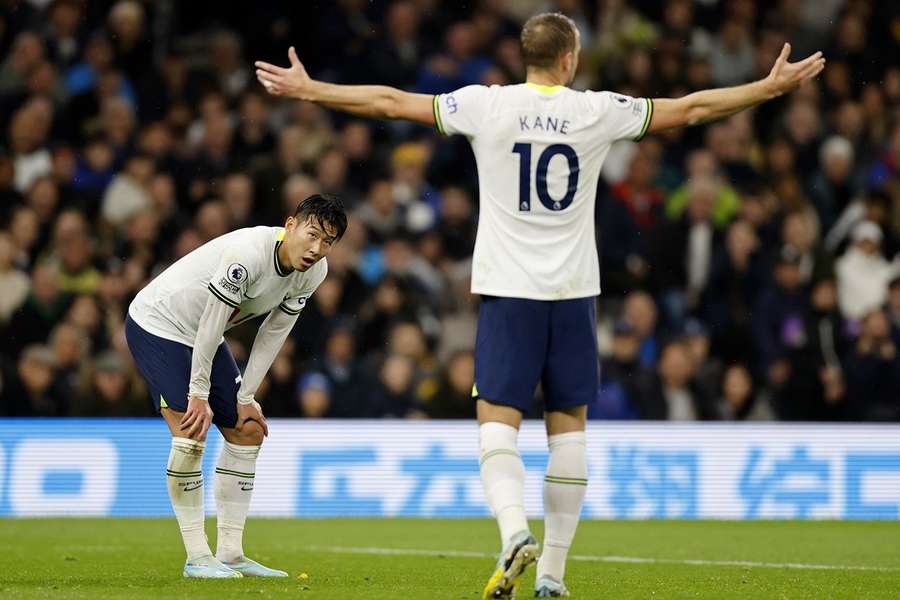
{"x": 251, "y": 433}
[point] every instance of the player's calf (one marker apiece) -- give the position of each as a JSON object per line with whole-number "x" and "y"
{"x": 235, "y": 478}
{"x": 184, "y": 480}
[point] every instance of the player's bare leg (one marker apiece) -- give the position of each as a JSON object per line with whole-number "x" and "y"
{"x": 235, "y": 474}
{"x": 185, "y": 482}
{"x": 564, "y": 488}
{"x": 503, "y": 477}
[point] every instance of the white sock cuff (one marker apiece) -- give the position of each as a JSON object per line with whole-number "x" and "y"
{"x": 241, "y": 452}
{"x": 494, "y": 435}
{"x": 561, "y": 439}
{"x": 188, "y": 446}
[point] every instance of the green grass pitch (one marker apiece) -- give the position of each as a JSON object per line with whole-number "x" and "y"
{"x": 395, "y": 559}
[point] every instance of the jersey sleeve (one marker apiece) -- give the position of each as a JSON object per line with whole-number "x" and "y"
{"x": 295, "y": 301}
{"x": 292, "y": 305}
{"x": 622, "y": 117}
{"x": 461, "y": 111}
{"x": 230, "y": 279}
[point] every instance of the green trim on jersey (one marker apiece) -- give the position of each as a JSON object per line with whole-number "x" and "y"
{"x": 437, "y": 115}
{"x": 162, "y": 402}
{"x": 545, "y": 89}
{"x": 647, "y": 119}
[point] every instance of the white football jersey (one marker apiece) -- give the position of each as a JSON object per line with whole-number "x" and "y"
{"x": 240, "y": 268}
{"x": 539, "y": 150}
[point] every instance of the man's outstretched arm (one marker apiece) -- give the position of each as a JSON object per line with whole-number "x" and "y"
{"x": 709, "y": 105}
{"x": 376, "y": 101}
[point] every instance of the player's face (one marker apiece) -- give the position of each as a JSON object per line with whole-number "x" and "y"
{"x": 307, "y": 242}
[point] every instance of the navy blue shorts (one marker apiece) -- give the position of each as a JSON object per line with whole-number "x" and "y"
{"x": 166, "y": 366}
{"x": 522, "y": 342}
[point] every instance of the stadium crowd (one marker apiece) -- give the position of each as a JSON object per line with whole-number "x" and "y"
{"x": 749, "y": 266}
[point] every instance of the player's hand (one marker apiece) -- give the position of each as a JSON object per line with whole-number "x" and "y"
{"x": 786, "y": 76}
{"x": 197, "y": 418}
{"x": 251, "y": 412}
{"x": 278, "y": 81}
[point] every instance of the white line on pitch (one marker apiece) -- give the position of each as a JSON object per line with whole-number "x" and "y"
{"x": 604, "y": 559}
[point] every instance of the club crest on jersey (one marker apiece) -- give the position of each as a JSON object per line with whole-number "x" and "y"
{"x": 622, "y": 101}
{"x": 237, "y": 273}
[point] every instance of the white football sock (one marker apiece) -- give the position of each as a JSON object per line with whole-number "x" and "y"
{"x": 564, "y": 488}
{"x": 503, "y": 477}
{"x": 185, "y": 482}
{"x": 234, "y": 487}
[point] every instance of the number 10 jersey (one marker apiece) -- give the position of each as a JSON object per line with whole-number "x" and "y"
{"x": 539, "y": 150}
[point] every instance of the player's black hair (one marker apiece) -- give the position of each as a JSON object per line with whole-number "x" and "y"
{"x": 326, "y": 210}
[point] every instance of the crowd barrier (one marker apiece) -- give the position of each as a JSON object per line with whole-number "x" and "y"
{"x": 310, "y": 468}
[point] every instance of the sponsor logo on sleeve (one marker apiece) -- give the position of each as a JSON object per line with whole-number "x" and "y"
{"x": 450, "y": 101}
{"x": 229, "y": 287}
{"x": 622, "y": 101}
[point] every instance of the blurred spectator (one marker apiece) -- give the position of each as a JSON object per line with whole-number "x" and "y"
{"x": 28, "y": 131}
{"x": 457, "y": 223}
{"x": 453, "y": 399}
{"x": 739, "y": 400}
{"x": 707, "y": 368}
{"x": 29, "y": 390}
{"x": 460, "y": 65}
{"x": 395, "y": 56}
{"x": 640, "y": 311}
{"x": 411, "y": 188}
{"x": 637, "y": 192}
{"x": 684, "y": 251}
{"x": 778, "y": 327}
{"x": 735, "y": 279}
{"x": 380, "y": 213}
{"x": 26, "y": 52}
{"x": 393, "y": 394}
{"x": 348, "y": 384}
{"x": 132, "y": 46}
{"x": 108, "y": 390}
{"x": 702, "y": 165}
{"x": 873, "y": 371}
{"x": 621, "y": 377}
{"x": 673, "y": 394}
{"x": 13, "y": 282}
{"x": 731, "y": 54}
{"x": 252, "y": 136}
{"x": 34, "y": 320}
{"x": 832, "y": 188}
{"x": 863, "y": 273}
{"x": 893, "y": 304}
{"x": 127, "y": 193}
{"x": 313, "y": 396}
{"x": 278, "y": 388}
{"x": 799, "y": 231}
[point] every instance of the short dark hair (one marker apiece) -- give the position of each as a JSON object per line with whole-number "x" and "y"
{"x": 546, "y": 37}
{"x": 326, "y": 210}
